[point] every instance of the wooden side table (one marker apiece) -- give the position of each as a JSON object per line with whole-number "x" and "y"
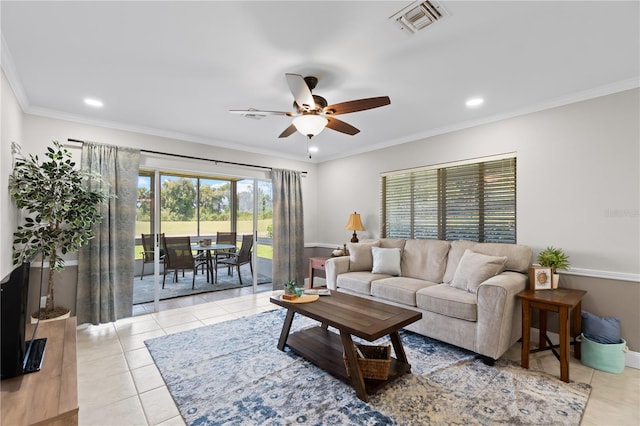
{"x": 562, "y": 301}
{"x": 316, "y": 263}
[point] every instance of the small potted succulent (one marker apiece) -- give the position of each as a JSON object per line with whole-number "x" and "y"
{"x": 555, "y": 259}
{"x": 291, "y": 291}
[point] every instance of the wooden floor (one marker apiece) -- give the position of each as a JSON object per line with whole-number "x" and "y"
{"x": 118, "y": 383}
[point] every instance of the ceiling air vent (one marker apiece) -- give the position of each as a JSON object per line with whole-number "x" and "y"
{"x": 418, "y": 16}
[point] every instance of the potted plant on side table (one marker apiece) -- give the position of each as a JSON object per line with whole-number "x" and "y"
{"x": 555, "y": 259}
{"x": 60, "y": 213}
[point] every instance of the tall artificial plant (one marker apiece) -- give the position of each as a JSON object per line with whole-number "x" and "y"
{"x": 60, "y": 211}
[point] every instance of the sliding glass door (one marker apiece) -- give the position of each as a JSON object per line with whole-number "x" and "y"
{"x": 198, "y": 207}
{"x": 255, "y": 216}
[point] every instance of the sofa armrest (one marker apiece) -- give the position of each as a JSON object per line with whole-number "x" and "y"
{"x": 499, "y": 313}
{"x": 333, "y": 267}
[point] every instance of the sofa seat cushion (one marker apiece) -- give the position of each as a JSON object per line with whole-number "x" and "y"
{"x": 398, "y": 289}
{"x": 359, "y": 282}
{"x": 448, "y": 301}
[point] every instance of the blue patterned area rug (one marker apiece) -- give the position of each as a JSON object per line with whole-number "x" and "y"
{"x": 232, "y": 374}
{"x": 143, "y": 288}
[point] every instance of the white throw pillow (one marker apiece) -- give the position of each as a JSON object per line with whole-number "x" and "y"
{"x": 360, "y": 257}
{"x": 475, "y": 268}
{"x": 386, "y": 260}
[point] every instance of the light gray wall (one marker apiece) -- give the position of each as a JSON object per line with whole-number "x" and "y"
{"x": 578, "y": 186}
{"x": 11, "y": 131}
{"x": 38, "y": 132}
{"x": 577, "y": 177}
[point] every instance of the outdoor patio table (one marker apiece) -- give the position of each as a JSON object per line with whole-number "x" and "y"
{"x": 212, "y": 269}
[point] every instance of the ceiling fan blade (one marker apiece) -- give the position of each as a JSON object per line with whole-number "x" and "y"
{"x": 288, "y": 131}
{"x": 357, "y": 105}
{"x": 259, "y": 112}
{"x": 341, "y": 126}
{"x": 300, "y": 91}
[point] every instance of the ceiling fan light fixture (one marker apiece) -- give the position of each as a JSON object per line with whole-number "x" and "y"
{"x": 310, "y": 124}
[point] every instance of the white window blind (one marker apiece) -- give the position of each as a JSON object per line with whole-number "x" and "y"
{"x": 472, "y": 201}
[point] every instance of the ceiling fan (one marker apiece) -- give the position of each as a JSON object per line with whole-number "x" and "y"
{"x": 312, "y": 114}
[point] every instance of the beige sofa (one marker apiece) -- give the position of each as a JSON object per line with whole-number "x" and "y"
{"x": 466, "y": 291}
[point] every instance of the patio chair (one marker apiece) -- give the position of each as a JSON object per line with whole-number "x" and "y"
{"x": 179, "y": 255}
{"x": 240, "y": 258}
{"x": 148, "y": 250}
{"x": 225, "y": 238}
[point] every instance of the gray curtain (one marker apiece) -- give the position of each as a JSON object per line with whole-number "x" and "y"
{"x": 288, "y": 228}
{"x": 105, "y": 265}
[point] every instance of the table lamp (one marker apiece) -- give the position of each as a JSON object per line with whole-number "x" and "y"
{"x": 355, "y": 224}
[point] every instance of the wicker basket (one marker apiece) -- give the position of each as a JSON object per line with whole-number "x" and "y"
{"x": 375, "y": 364}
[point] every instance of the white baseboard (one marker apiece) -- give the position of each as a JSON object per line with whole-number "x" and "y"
{"x": 317, "y": 282}
{"x": 632, "y": 359}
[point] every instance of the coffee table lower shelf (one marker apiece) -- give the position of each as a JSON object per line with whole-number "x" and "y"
{"x": 324, "y": 348}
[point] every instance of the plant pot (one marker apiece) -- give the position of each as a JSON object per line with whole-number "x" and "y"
{"x": 555, "y": 280}
{"x": 65, "y": 315}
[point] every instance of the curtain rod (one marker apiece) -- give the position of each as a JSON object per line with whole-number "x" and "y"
{"x": 195, "y": 158}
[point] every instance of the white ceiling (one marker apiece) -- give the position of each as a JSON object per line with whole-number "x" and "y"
{"x": 176, "y": 68}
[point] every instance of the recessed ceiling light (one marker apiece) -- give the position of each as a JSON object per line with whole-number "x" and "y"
{"x": 93, "y": 102}
{"x": 313, "y": 149}
{"x": 474, "y": 102}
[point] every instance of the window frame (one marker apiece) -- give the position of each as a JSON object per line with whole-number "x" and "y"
{"x": 419, "y": 196}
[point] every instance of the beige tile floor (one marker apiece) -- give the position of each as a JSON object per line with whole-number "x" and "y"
{"x": 120, "y": 385}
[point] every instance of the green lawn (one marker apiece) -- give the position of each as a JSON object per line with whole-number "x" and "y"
{"x": 208, "y": 228}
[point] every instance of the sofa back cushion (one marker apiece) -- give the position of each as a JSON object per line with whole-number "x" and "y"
{"x": 360, "y": 257}
{"x": 393, "y": 243}
{"x": 425, "y": 259}
{"x": 518, "y": 256}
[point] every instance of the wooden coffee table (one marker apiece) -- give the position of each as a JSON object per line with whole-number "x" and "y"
{"x": 352, "y": 316}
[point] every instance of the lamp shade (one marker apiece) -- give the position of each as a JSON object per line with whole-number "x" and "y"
{"x": 355, "y": 224}
{"x": 310, "y": 124}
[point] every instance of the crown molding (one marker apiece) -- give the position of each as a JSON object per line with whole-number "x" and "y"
{"x": 49, "y": 113}
{"x": 596, "y": 92}
{"x": 8, "y": 66}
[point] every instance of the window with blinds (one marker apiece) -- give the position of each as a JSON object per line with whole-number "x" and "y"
{"x": 473, "y": 201}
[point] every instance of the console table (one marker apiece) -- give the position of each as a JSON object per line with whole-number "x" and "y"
{"x": 49, "y": 396}
{"x": 562, "y": 301}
